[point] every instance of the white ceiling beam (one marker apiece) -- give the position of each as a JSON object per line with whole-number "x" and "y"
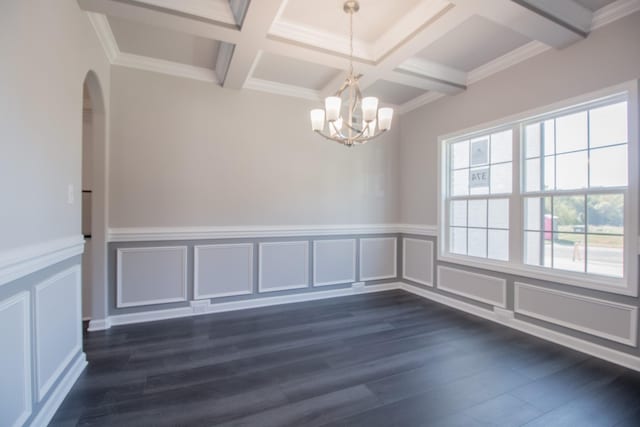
{"x": 536, "y": 19}
{"x": 172, "y": 20}
{"x": 255, "y": 24}
{"x": 443, "y": 19}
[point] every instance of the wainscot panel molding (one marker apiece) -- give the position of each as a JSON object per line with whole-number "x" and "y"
{"x": 480, "y": 287}
{"x": 223, "y": 270}
{"x": 618, "y": 357}
{"x": 15, "y": 365}
{"x": 417, "y": 260}
{"x": 605, "y": 319}
{"x": 334, "y": 262}
{"x": 378, "y": 258}
{"x": 256, "y": 232}
{"x": 283, "y": 266}
{"x": 58, "y": 320}
{"x": 151, "y": 275}
{"x": 20, "y": 262}
{"x": 221, "y": 307}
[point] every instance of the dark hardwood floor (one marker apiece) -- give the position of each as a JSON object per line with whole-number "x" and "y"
{"x": 387, "y": 359}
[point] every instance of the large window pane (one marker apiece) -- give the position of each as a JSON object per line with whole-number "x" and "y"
{"x": 549, "y": 137}
{"x": 605, "y": 213}
{"x": 532, "y": 140}
{"x": 571, "y": 132}
{"x": 501, "y": 147}
{"x": 532, "y": 177}
{"x": 571, "y": 171}
{"x": 605, "y": 255}
{"x": 460, "y": 183}
{"x": 568, "y": 252}
{"x": 569, "y": 212}
{"x": 549, "y": 173}
{"x": 533, "y": 213}
{"x": 480, "y": 151}
{"x": 533, "y": 248}
{"x": 608, "y": 125}
{"x": 460, "y": 155}
{"x": 477, "y": 213}
{"x": 501, "y": 178}
{"x": 498, "y": 245}
{"x": 608, "y": 167}
{"x": 459, "y": 213}
{"x": 458, "y": 240}
{"x": 479, "y": 179}
{"x": 477, "y": 244}
{"x": 499, "y": 213}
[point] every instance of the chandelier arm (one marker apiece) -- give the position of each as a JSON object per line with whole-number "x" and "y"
{"x": 365, "y": 140}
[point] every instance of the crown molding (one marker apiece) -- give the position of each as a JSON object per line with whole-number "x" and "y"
{"x": 507, "y": 60}
{"x": 434, "y": 70}
{"x": 288, "y": 30}
{"x": 419, "y": 101}
{"x": 613, "y": 12}
{"x": 105, "y": 35}
{"x": 281, "y": 89}
{"x": 166, "y": 67}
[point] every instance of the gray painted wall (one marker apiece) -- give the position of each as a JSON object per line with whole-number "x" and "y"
{"x": 189, "y": 153}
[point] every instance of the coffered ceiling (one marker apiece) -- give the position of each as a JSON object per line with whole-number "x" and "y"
{"x": 410, "y": 52}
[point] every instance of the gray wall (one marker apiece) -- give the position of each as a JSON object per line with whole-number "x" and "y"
{"x": 189, "y": 153}
{"x": 607, "y": 57}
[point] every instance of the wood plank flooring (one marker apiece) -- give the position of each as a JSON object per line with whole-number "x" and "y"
{"x": 386, "y": 359}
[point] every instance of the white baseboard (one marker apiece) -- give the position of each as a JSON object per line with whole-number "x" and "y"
{"x": 48, "y": 410}
{"x": 618, "y": 357}
{"x": 99, "y": 324}
{"x": 201, "y": 308}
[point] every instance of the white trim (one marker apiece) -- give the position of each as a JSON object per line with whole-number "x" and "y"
{"x": 618, "y": 357}
{"x": 20, "y": 262}
{"x": 419, "y": 101}
{"x": 281, "y": 89}
{"x": 166, "y": 67}
{"x": 395, "y": 259}
{"x": 353, "y": 263}
{"x": 429, "y": 243}
{"x": 108, "y": 41}
{"x": 99, "y": 324}
{"x": 507, "y": 60}
{"x": 149, "y": 234}
{"x": 48, "y": 410}
{"x": 283, "y": 288}
{"x": 120, "y": 251}
{"x": 23, "y": 298}
{"x": 503, "y": 283}
{"x": 45, "y": 386}
{"x": 196, "y": 265}
{"x": 633, "y": 314}
{"x": 215, "y": 10}
{"x": 613, "y": 12}
{"x": 150, "y": 316}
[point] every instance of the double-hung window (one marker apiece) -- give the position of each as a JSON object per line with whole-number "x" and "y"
{"x": 550, "y": 195}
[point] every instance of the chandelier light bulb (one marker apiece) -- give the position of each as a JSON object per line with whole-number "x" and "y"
{"x": 385, "y": 116}
{"x": 317, "y": 119}
{"x": 369, "y": 108}
{"x": 332, "y": 106}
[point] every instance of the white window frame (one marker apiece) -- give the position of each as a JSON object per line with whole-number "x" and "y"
{"x": 628, "y": 285}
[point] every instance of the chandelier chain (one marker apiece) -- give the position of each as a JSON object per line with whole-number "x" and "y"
{"x": 351, "y": 43}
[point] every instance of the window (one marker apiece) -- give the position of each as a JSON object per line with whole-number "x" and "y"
{"x": 549, "y": 196}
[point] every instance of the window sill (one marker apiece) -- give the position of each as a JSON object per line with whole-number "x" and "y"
{"x": 599, "y": 283}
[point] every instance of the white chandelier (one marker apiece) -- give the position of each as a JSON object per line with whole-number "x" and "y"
{"x": 359, "y": 109}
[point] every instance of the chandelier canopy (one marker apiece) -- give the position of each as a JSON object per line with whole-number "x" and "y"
{"x": 362, "y": 120}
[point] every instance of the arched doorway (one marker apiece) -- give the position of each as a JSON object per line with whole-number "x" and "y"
{"x": 94, "y": 215}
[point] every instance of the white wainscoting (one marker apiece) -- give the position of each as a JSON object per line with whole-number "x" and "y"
{"x": 223, "y": 270}
{"x": 480, "y": 287}
{"x": 283, "y": 266}
{"x": 15, "y": 360}
{"x": 378, "y": 258}
{"x": 609, "y": 320}
{"x": 58, "y": 320}
{"x": 152, "y": 275}
{"x": 334, "y": 262}
{"x": 417, "y": 260}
